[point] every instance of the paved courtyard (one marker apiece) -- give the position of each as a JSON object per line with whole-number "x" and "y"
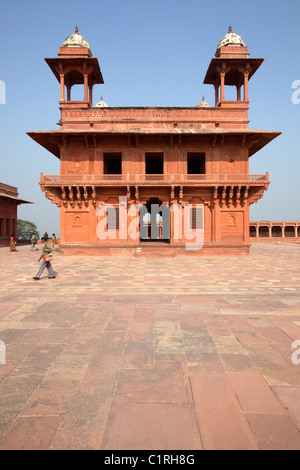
{"x": 135, "y": 353}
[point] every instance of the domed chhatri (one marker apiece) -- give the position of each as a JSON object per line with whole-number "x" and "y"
{"x": 101, "y": 104}
{"x": 75, "y": 40}
{"x": 231, "y": 39}
{"x": 203, "y": 104}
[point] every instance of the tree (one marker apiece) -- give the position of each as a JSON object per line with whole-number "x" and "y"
{"x": 25, "y": 229}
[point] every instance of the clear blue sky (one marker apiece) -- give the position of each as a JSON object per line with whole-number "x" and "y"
{"x": 151, "y": 53}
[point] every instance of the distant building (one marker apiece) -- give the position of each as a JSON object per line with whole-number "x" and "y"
{"x": 188, "y": 157}
{"x": 266, "y": 230}
{"x": 9, "y": 202}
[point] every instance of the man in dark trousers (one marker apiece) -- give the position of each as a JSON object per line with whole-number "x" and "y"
{"x": 47, "y": 248}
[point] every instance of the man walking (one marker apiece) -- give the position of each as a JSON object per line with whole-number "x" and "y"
{"x": 47, "y": 248}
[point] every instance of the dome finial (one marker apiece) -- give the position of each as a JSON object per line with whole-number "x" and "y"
{"x": 231, "y": 38}
{"x": 76, "y": 40}
{"x": 203, "y": 104}
{"x": 101, "y": 104}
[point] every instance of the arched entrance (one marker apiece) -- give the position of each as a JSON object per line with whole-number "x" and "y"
{"x": 155, "y": 221}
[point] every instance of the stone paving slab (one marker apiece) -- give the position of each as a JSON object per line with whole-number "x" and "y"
{"x": 133, "y": 353}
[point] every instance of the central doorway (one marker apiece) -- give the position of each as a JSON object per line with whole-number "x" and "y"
{"x": 155, "y": 221}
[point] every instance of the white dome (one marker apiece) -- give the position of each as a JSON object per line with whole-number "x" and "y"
{"x": 231, "y": 38}
{"x": 75, "y": 40}
{"x": 203, "y": 104}
{"x": 101, "y": 104}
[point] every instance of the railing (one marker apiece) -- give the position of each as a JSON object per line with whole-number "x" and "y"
{"x": 153, "y": 179}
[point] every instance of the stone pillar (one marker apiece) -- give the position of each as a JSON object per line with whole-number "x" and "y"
{"x": 91, "y": 95}
{"x": 2, "y": 227}
{"x": 246, "y": 77}
{"x": 222, "y": 86}
{"x": 257, "y": 230}
{"x": 216, "y": 222}
{"x": 62, "y": 87}
{"x": 62, "y": 225}
{"x": 216, "y": 94}
{"x": 85, "y": 81}
{"x": 68, "y": 92}
{"x": 270, "y": 230}
{"x": 282, "y": 230}
{"x": 10, "y": 227}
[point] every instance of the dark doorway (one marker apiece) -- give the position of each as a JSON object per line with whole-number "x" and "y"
{"x": 196, "y": 163}
{"x": 276, "y": 231}
{"x": 289, "y": 231}
{"x": 263, "y": 231}
{"x": 112, "y": 164}
{"x": 154, "y": 163}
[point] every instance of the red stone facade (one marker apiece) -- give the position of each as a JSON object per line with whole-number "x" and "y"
{"x": 195, "y": 157}
{"x": 9, "y": 201}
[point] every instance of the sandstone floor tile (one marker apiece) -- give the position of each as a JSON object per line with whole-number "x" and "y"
{"x": 289, "y": 397}
{"x": 14, "y": 393}
{"x": 237, "y": 363}
{"x": 10, "y": 335}
{"x": 31, "y": 433}
{"x": 207, "y": 363}
{"x": 171, "y": 361}
{"x": 254, "y": 394}
{"x": 289, "y": 328}
{"x": 84, "y": 424}
{"x": 38, "y": 361}
{"x": 196, "y": 342}
{"x": 222, "y": 423}
{"x": 274, "y": 432}
{"x": 228, "y": 344}
{"x": 137, "y": 355}
{"x": 7, "y": 307}
{"x": 167, "y": 337}
{"x": 151, "y": 385}
{"x": 141, "y": 331}
{"x": 275, "y": 369}
{"x": 52, "y": 397}
{"x": 152, "y": 426}
{"x": 48, "y": 336}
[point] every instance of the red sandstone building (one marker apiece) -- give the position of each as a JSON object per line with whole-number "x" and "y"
{"x": 9, "y": 201}
{"x": 195, "y": 157}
